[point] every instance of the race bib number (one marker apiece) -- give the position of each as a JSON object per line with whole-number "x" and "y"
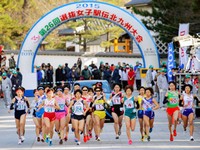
{"x": 62, "y": 106}
{"x": 99, "y": 107}
{"x": 49, "y": 109}
{"x": 116, "y": 101}
{"x": 173, "y": 101}
{"x": 78, "y": 109}
{"x": 129, "y": 105}
{"x": 21, "y": 106}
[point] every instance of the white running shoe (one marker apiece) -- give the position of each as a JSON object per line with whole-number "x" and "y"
{"x": 22, "y": 139}
{"x": 19, "y": 142}
{"x": 78, "y": 143}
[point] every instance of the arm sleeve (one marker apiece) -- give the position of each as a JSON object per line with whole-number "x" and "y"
{"x": 165, "y": 100}
{"x": 27, "y": 103}
{"x": 11, "y": 106}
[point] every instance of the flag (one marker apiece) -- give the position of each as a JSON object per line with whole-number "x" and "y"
{"x": 183, "y": 30}
{"x": 170, "y": 61}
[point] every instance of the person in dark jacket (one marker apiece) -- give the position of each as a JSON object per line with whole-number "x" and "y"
{"x": 19, "y": 76}
{"x": 59, "y": 75}
{"x": 39, "y": 75}
{"x": 96, "y": 74}
{"x": 107, "y": 74}
{"x": 50, "y": 76}
{"x": 15, "y": 83}
{"x": 86, "y": 73}
{"x": 116, "y": 76}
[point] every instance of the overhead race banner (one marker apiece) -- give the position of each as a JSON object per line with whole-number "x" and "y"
{"x": 183, "y": 30}
{"x": 170, "y": 61}
{"x": 86, "y": 9}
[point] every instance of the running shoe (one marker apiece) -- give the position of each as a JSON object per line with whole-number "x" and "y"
{"x": 148, "y": 138}
{"x": 72, "y": 129}
{"x": 78, "y": 143}
{"x": 50, "y": 143}
{"x": 65, "y": 138}
{"x": 75, "y": 140}
{"x": 85, "y": 138}
{"x": 61, "y": 142}
{"x": 81, "y": 132}
{"x": 19, "y": 142}
{"x": 191, "y": 138}
{"x": 38, "y": 139}
{"x": 90, "y": 134}
{"x": 88, "y": 137}
{"x": 47, "y": 140}
{"x": 185, "y": 129}
{"x": 142, "y": 138}
{"x": 117, "y": 137}
{"x": 175, "y": 134}
{"x": 150, "y": 130}
{"x": 59, "y": 135}
{"x": 119, "y": 133}
{"x": 171, "y": 137}
{"x": 22, "y": 139}
{"x": 130, "y": 142}
{"x": 42, "y": 140}
{"x": 98, "y": 139}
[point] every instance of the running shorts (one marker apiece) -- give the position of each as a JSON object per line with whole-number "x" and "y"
{"x": 187, "y": 112}
{"x": 100, "y": 114}
{"x": 170, "y": 111}
{"x": 60, "y": 115}
{"x": 51, "y": 116}
{"x": 19, "y": 113}
{"x": 149, "y": 114}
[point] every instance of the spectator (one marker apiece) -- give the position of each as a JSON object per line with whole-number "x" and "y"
{"x": 15, "y": 83}
{"x": 96, "y": 74}
{"x": 124, "y": 77}
{"x": 86, "y": 73}
{"x": 92, "y": 64}
{"x": 49, "y": 77}
{"x": 73, "y": 76}
{"x": 12, "y": 63}
{"x": 131, "y": 77}
{"x": 3, "y": 61}
{"x": 67, "y": 70}
{"x": 107, "y": 74}
{"x": 39, "y": 76}
{"x": 19, "y": 76}
{"x": 149, "y": 77}
{"x": 6, "y": 88}
{"x": 59, "y": 75}
{"x": 136, "y": 66}
{"x": 79, "y": 63}
{"x": 115, "y": 75}
{"x": 138, "y": 77}
{"x": 162, "y": 85}
{"x": 112, "y": 67}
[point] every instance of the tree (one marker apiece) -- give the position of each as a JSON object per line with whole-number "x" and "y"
{"x": 167, "y": 14}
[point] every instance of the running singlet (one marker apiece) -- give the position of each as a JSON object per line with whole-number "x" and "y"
{"x": 173, "y": 99}
{"x": 61, "y": 103}
{"x": 99, "y": 103}
{"x": 68, "y": 99}
{"x": 49, "y": 105}
{"x": 40, "y": 100}
{"x": 140, "y": 98}
{"x": 129, "y": 105}
{"x": 188, "y": 101}
{"x": 116, "y": 99}
{"x": 20, "y": 104}
{"x": 78, "y": 107}
{"x": 88, "y": 100}
{"x": 147, "y": 104}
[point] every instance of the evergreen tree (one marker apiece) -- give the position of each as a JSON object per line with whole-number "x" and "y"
{"x": 167, "y": 14}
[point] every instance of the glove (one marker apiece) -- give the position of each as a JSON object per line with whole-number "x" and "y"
{"x": 29, "y": 112}
{"x": 112, "y": 109}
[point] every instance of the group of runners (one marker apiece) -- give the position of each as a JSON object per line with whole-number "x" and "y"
{"x": 54, "y": 108}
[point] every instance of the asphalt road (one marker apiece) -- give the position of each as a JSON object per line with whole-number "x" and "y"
{"x": 159, "y": 136}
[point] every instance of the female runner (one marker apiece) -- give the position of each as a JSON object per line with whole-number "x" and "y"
{"x": 77, "y": 106}
{"x": 172, "y": 100}
{"x": 49, "y": 104}
{"x": 60, "y": 114}
{"x": 130, "y": 112}
{"x": 99, "y": 111}
{"x": 149, "y": 104}
{"x": 20, "y": 104}
{"x": 140, "y": 111}
{"x": 88, "y": 117}
{"x": 188, "y": 114}
{"x": 117, "y": 109}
